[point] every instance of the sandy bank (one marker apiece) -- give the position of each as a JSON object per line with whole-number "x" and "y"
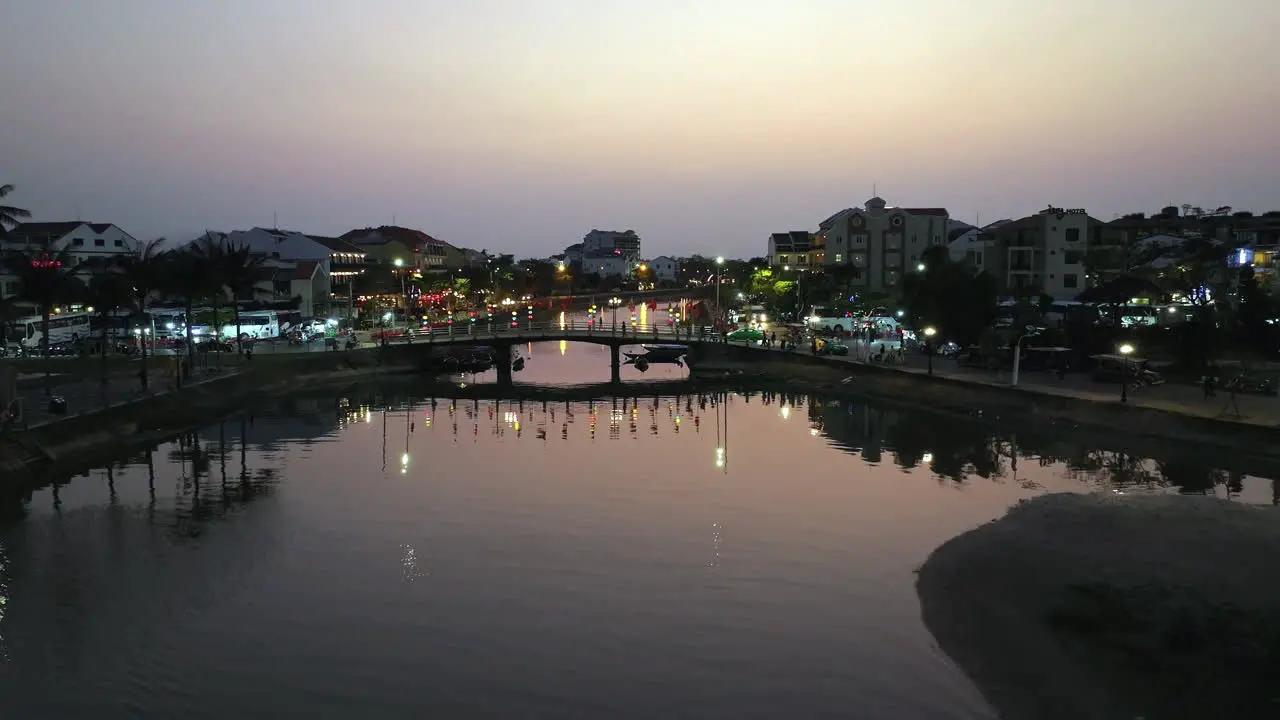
{"x": 1105, "y": 606}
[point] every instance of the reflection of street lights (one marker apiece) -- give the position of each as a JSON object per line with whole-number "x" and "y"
{"x": 920, "y": 267}
{"x": 1125, "y": 351}
{"x": 929, "y": 332}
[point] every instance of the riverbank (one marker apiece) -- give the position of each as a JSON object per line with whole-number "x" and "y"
{"x": 28, "y": 458}
{"x": 990, "y": 400}
{"x": 1104, "y": 606}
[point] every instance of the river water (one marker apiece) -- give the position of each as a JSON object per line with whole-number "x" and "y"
{"x": 386, "y": 556}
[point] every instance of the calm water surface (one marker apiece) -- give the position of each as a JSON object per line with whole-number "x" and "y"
{"x": 389, "y": 557}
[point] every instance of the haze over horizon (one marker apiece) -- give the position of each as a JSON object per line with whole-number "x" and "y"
{"x": 704, "y": 125}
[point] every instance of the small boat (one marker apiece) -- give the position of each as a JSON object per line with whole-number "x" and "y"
{"x": 670, "y": 353}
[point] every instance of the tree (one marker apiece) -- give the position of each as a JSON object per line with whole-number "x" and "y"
{"x": 107, "y": 292}
{"x": 239, "y": 269}
{"x": 184, "y": 275}
{"x": 10, "y": 216}
{"x": 144, "y": 272}
{"x": 948, "y": 296}
{"x": 46, "y": 278}
{"x": 8, "y": 313}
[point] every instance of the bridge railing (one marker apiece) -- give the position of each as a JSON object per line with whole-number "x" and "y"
{"x": 554, "y": 329}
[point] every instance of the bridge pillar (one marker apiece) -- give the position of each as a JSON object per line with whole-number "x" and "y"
{"x": 502, "y": 360}
{"x": 615, "y": 363}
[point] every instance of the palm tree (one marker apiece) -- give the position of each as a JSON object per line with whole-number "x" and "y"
{"x": 108, "y": 291}
{"x": 10, "y": 216}
{"x": 183, "y": 274}
{"x": 143, "y": 270}
{"x": 209, "y": 253}
{"x": 239, "y": 269}
{"x": 46, "y": 278}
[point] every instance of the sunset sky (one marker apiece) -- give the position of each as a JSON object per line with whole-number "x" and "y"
{"x": 702, "y": 124}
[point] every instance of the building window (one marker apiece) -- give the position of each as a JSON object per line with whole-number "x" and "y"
{"x": 1073, "y": 234}
{"x": 119, "y": 243}
{"x": 838, "y": 258}
{"x": 892, "y": 260}
{"x": 99, "y": 242}
{"x": 77, "y": 242}
{"x": 891, "y": 277}
{"x": 1072, "y": 257}
{"x": 858, "y": 260}
{"x": 1070, "y": 281}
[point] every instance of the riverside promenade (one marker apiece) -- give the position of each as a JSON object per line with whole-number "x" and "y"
{"x": 1254, "y": 410}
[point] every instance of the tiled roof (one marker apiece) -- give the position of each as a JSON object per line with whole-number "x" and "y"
{"x": 834, "y": 217}
{"x": 924, "y": 211}
{"x": 44, "y": 229}
{"x": 793, "y": 241}
{"x": 386, "y": 233}
{"x": 337, "y": 245}
{"x": 100, "y": 228}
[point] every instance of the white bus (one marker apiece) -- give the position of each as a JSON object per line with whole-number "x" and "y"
{"x": 69, "y": 327}
{"x": 254, "y": 326}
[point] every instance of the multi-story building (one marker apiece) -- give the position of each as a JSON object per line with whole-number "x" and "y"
{"x": 799, "y": 248}
{"x": 879, "y": 242}
{"x": 86, "y": 243}
{"x": 413, "y": 248}
{"x": 1044, "y": 252}
{"x": 599, "y": 243}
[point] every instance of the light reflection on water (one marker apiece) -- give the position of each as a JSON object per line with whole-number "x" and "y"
{"x": 741, "y": 556}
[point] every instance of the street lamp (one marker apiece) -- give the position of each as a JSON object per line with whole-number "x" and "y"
{"x": 920, "y": 267}
{"x": 1030, "y": 332}
{"x": 614, "y": 302}
{"x": 929, "y": 332}
{"x": 719, "y": 263}
{"x": 404, "y": 297}
{"x": 1125, "y": 351}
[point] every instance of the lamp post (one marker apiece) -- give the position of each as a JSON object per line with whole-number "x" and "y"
{"x": 929, "y": 332}
{"x": 1125, "y": 351}
{"x": 719, "y": 264}
{"x": 614, "y": 302}
{"x": 1017, "y": 351}
{"x": 403, "y": 294}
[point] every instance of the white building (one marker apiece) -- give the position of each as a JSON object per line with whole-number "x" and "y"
{"x": 606, "y": 266}
{"x": 665, "y": 269}
{"x": 86, "y": 243}
{"x": 288, "y": 279}
{"x": 1043, "y": 252}
{"x": 969, "y": 245}
{"x": 333, "y": 254}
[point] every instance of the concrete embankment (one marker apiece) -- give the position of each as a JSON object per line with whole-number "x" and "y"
{"x": 991, "y": 402}
{"x": 1103, "y": 606}
{"x": 28, "y": 457}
